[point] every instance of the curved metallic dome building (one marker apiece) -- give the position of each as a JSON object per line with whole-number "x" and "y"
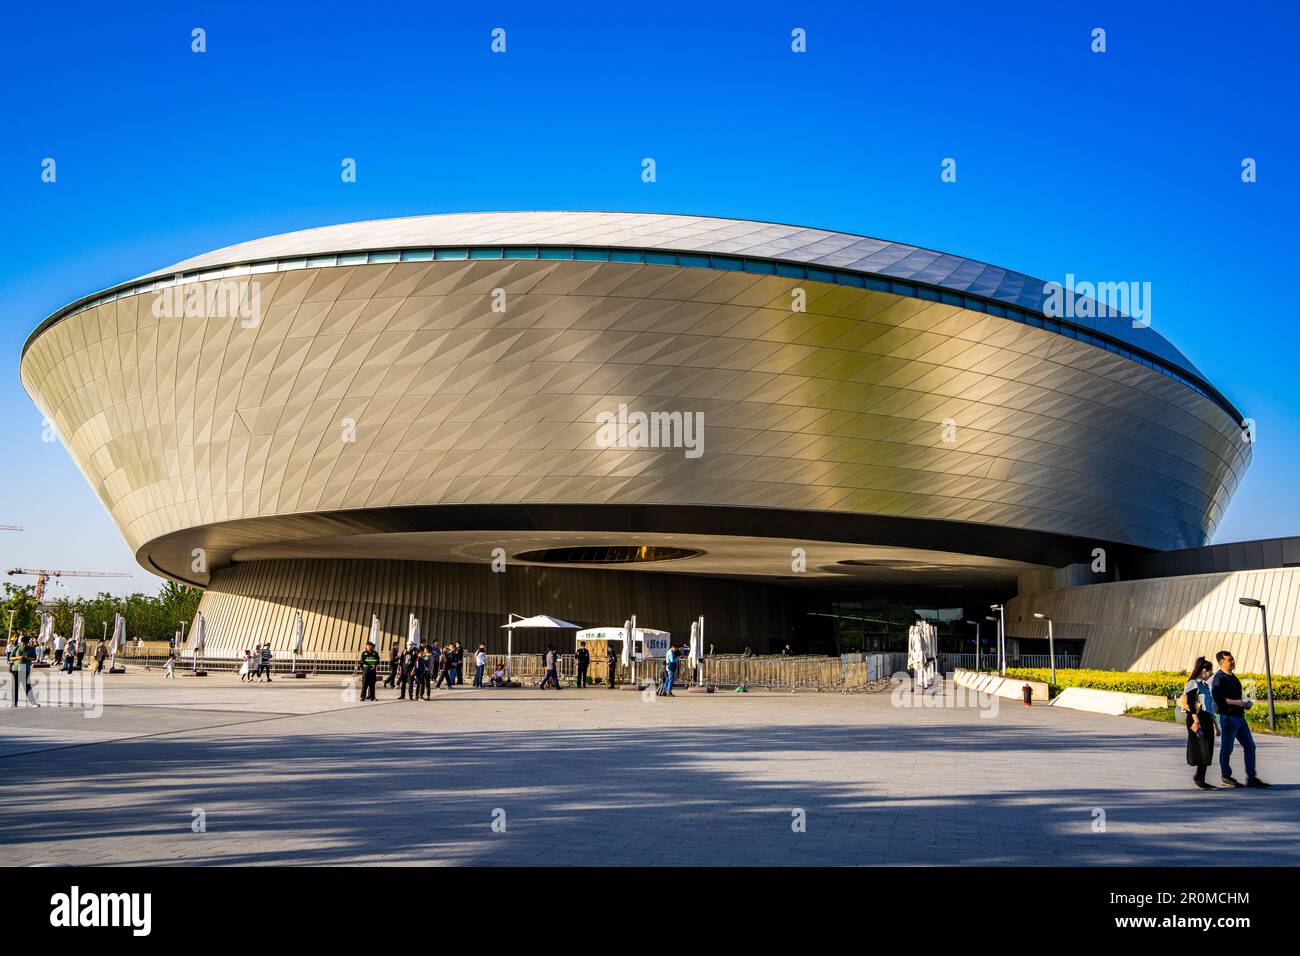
{"x": 358, "y": 419}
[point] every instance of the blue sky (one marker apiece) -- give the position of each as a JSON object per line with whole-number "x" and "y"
{"x": 1122, "y": 165}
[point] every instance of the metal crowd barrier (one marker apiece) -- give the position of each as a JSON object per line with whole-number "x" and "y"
{"x": 808, "y": 672}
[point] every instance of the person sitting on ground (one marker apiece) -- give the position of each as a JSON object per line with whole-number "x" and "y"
{"x": 499, "y": 676}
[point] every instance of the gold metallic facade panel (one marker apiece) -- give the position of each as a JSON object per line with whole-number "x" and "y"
{"x": 179, "y": 423}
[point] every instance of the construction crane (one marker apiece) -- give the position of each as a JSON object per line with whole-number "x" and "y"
{"x": 44, "y": 574}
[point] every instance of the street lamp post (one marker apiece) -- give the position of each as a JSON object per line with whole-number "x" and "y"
{"x": 1051, "y": 643}
{"x": 1268, "y": 666}
{"x": 1002, "y": 637}
{"x": 977, "y": 643}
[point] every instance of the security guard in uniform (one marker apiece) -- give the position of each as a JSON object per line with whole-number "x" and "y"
{"x": 369, "y": 670}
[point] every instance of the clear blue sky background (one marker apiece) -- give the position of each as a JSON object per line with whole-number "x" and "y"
{"x": 1118, "y": 166}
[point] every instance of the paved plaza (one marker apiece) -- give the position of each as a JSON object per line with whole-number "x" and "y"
{"x": 296, "y": 773}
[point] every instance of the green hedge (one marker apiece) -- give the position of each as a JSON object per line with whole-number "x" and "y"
{"x": 1161, "y": 683}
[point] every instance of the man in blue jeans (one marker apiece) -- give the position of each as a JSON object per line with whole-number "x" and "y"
{"x": 1230, "y": 702}
{"x": 670, "y": 672}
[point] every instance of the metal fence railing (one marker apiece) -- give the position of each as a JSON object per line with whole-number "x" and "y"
{"x": 989, "y": 662}
{"x": 1063, "y": 661}
{"x": 845, "y": 672}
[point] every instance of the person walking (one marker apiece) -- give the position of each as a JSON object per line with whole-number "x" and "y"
{"x": 670, "y": 672}
{"x": 266, "y": 661}
{"x": 406, "y": 674}
{"x": 245, "y": 667}
{"x": 68, "y": 661}
{"x": 1231, "y": 703}
{"x": 81, "y": 651}
{"x": 420, "y": 688}
{"x": 20, "y": 670}
{"x": 393, "y": 656}
{"x": 1197, "y": 705}
{"x": 611, "y": 665}
{"x": 552, "y": 675}
{"x": 458, "y": 664}
{"x": 59, "y": 645}
{"x": 445, "y": 669}
{"x": 169, "y": 668}
{"x": 435, "y": 661}
{"x": 583, "y": 657}
{"x": 480, "y": 663}
{"x": 101, "y": 655}
{"x": 369, "y": 667}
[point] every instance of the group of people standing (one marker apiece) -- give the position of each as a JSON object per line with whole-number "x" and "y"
{"x": 69, "y": 655}
{"x": 1214, "y": 705}
{"x": 418, "y": 670}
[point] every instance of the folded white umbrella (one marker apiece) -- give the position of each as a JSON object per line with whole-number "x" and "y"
{"x": 374, "y": 630}
{"x": 297, "y": 641}
{"x": 413, "y": 632}
{"x": 118, "y": 640}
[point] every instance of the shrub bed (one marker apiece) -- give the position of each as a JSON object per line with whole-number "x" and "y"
{"x": 1161, "y": 683}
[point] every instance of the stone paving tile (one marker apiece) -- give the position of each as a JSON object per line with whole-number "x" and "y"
{"x": 298, "y": 773}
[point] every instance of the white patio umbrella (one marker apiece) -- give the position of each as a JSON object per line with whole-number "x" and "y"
{"x": 412, "y": 631}
{"x": 626, "y": 654}
{"x": 375, "y": 630}
{"x": 296, "y": 647}
{"x": 537, "y": 620}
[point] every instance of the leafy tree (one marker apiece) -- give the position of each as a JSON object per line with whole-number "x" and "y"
{"x": 153, "y": 618}
{"x": 20, "y": 602}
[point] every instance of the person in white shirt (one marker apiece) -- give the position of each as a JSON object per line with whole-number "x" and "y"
{"x": 480, "y": 662}
{"x": 59, "y": 645}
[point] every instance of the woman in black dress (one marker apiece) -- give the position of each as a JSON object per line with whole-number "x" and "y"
{"x": 1198, "y": 710}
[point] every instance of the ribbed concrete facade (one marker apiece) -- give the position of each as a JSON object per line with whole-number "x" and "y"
{"x": 257, "y": 601}
{"x": 1166, "y": 623}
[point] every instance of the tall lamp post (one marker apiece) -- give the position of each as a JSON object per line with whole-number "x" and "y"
{"x": 1268, "y": 666}
{"x": 977, "y": 643}
{"x": 1051, "y": 642}
{"x": 1002, "y": 637}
